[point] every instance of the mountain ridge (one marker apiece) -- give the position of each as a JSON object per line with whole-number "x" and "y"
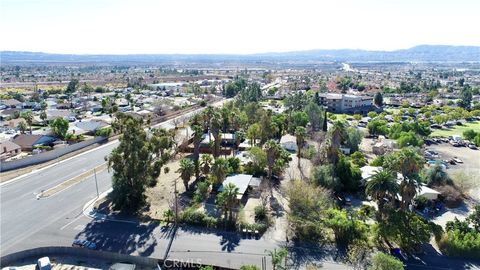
{"x": 420, "y": 53}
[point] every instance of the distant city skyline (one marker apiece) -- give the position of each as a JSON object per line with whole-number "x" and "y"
{"x": 233, "y": 27}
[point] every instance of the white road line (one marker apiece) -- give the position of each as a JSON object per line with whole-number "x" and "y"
{"x": 57, "y": 163}
{"x": 70, "y": 223}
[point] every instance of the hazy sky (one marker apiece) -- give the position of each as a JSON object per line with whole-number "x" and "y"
{"x": 233, "y": 26}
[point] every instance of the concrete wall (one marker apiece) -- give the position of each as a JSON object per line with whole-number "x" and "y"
{"x": 14, "y": 258}
{"x": 47, "y": 156}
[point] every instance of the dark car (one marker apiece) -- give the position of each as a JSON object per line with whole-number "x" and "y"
{"x": 84, "y": 244}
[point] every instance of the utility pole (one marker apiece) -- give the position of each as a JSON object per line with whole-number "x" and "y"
{"x": 96, "y": 182}
{"x": 176, "y": 203}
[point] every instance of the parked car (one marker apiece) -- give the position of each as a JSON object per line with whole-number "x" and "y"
{"x": 84, "y": 243}
{"x": 472, "y": 146}
{"x": 457, "y": 160}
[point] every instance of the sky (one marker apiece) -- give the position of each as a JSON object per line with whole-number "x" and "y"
{"x": 233, "y": 26}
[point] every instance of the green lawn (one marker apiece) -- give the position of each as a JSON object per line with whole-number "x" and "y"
{"x": 456, "y": 130}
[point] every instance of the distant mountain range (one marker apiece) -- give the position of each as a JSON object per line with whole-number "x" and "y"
{"x": 423, "y": 53}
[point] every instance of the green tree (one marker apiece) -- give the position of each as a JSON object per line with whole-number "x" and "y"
{"x": 186, "y": 170}
{"x": 22, "y": 126}
{"x": 253, "y": 132}
{"x": 133, "y": 166}
{"x": 469, "y": 134}
{"x": 43, "y": 116}
{"x": 59, "y": 127}
{"x": 272, "y": 150}
{"x": 315, "y": 114}
{"x": 358, "y": 158}
{"x": 197, "y": 139}
{"x": 72, "y": 86}
{"x": 382, "y": 261}
{"x": 215, "y": 127}
{"x": 300, "y": 135}
{"x": 436, "y": 176}
{"x": 206, "y": 164}
{"x": 219, "y": 170}
{"x": 378, "y": 99}
{"x": 28, "y": 116}
{"x": 278, "y": 258}
{"x": 227, "y": 199}
{"x": 382, "y": 186}
{"x": 346, "y": 229}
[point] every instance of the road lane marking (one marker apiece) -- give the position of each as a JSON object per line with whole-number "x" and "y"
{"x": 57, "y": 163}
{"x": 72, "y": 181}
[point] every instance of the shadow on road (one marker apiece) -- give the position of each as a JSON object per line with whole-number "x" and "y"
{"x": 229, "y": 240}
{"x": 120, "y": 237}
{"x": 431, "y": 259}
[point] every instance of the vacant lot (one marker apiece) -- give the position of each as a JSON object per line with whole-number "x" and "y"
{"x": 456, "y": 130}
{"x": 466, "y": 174}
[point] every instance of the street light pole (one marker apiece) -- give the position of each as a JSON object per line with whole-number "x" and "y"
{"x": 96, "y": 182}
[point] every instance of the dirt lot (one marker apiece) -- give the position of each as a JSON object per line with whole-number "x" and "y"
{"x": 467, "y": 173}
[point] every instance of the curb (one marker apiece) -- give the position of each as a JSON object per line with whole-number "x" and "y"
{"x": 89, "y": 211}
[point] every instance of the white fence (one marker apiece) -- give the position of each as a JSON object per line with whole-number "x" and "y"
{"x": 47, "y": 156}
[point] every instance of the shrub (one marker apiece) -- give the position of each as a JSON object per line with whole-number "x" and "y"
{"x": 249, "y": 267}
{"x": 260, "y": 212}
{"x": 104, "y": 132}
{"x": 193, "y": 217}
{"x": 382, "y": 261}
{"x": 461, "y": 240}
{"x": 421, "y": 202}
{"x": 450, "y": 196}
{"x": 202, "y": 192}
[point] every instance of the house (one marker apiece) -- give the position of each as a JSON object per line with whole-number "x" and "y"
{"x": 28, "y": 141}
{"x": 8, "y": 113}
{"x": 90, "y": 126}
{"x": 289, "y": 142}
{"x": 9, "y": 149}
{"x": 11, "y": 103}
{"x": 242, "y": 182}
{"x": 369, "y": 171}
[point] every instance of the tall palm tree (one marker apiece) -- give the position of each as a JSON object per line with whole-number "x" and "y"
{"x": 300, "y": 134}
{"x": 383, "y": 185}
{"x": 272, "y": 149}
{"x": 227, "y": 199}
{"x": 186, "y": 171}
{"x": 215, "y": 127}
{"x": 206, "y": 163}
{"x": 408, "y": 189}
{"x": 409, "y": 162}
{"x": 219, "y": 169}
{"x": 278, "y": 257}
{"x": 197, "y": 139}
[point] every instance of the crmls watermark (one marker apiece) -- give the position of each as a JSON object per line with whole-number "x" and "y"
{"x": 190, "y": 263}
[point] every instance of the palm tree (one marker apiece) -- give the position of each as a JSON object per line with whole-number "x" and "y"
{"x": 408, "y": 189}
{"x": 278, "y": 257}
{"x": 186, "y": 171}
{"x": 227, "y": 199}
{"x": 300, "y": 134}
{"x": 215, "y": 127}
{"x": 219, "y": 169}
{"x": 253, "y": 132}
{"x": 197, "y": 139}
{"x": 28, "y": 116}
{"x": 409, "y": 162}
{"x": 272, "y": 149}
{"x": 22, "y": 126}
{"x": 383, "y": 185}
{"x": 206, "y": 163}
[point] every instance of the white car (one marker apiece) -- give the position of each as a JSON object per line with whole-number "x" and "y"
{"x": 457, "y": 160}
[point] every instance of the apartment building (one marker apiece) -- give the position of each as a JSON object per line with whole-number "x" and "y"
{"x": 344, "y": 103}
